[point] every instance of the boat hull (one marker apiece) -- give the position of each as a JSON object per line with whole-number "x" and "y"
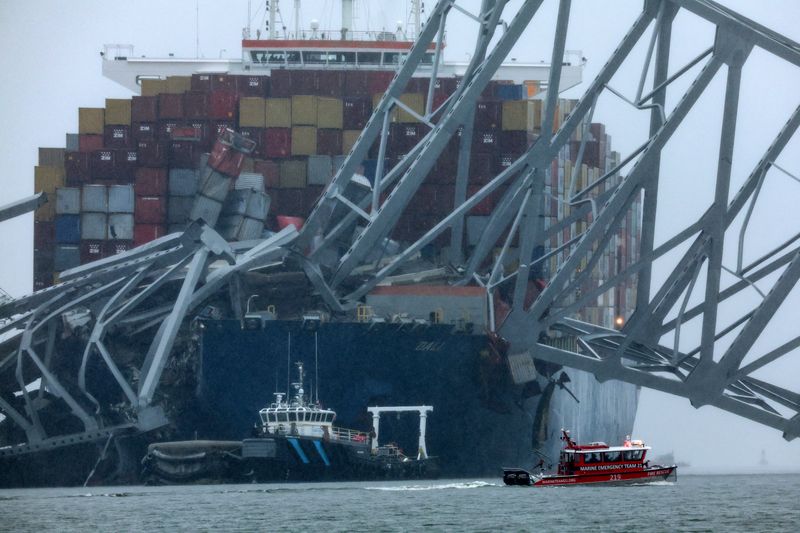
{"x": 516, "y": 476}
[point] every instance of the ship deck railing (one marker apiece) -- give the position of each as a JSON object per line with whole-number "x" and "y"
{"x": 349, "y": 435}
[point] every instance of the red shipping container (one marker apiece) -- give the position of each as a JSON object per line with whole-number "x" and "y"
{"x": 218, "y": 127}
{"x": 195, "y": 105}
{"x": 404, "y": 137}
{"x": 44, "y": 236}
{"x": 144, "y": 233}
{"x": 144, "y": 131}
{"x": 488, "y": 115}
{"x": 481, "y": 168}
{"x": 223, "y": 105}
{"x": 256, "y": 135}
{"x": 485, "y": 206}
{"x": 223, "y": 82}
{"x": 76, "y": 168}
{"x": 203, "y": 133}
{"x": 90, "y": 143}
{"x": 226, "y": 160}
{"x": 184, "y": 154}
{"x": 150, "y": 210}
{"x": 270, "y": 170}
{"x": 418, "y": 85}
{"x": 125, "y": 164}
{"x": 113, "y": 248}
{"x": 514, "y": 142}
{"x": 484, "y": 142}
{"x": 356, "y": 112}
{"x": 311, "y": 194}
{"x": 289, "y": 202}
{"x": 144, "y": 109}
{"x": 304, "y": 81}
{"x": 151, "y": 182}
{"x": 356, "y": 84}
{"x": 504, "y": 161}
{"x": 170, "y": 105}
{"x": 330, "y": 83}
{"x": 378, "y": 81}
{"x": 252, "y": 86}
{"x": 201, "y": 83}
{"x": 280, "y": 84}
{"x": 92, "y": 251}
{"x": 165, "y": 129}
{"x": 152, "y": 154}
{"x": 277, "y": 142}
{"x": 117, "y": 137}
{"x": 329, "y": 141}
{"x": 101, "y": 165}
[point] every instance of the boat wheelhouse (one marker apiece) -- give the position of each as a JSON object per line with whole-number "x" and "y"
{"x": 596, "y": 462}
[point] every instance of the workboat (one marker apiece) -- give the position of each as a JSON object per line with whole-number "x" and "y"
{"x": 295, "y": 440}
{"x": 596, "y": 462}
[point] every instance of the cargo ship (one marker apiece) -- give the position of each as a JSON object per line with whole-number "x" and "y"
{"x": 134, "y": 172}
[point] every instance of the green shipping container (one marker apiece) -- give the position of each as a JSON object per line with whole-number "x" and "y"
{"x": 51, "y": 157}
{"x": 293, "y": 174}
{"x": 118, "y": 112}
{"x": 515, "y": 115}
{"x": 178, "y": 84}
{"x": 252, "y": 112}
{"x": 278, "y": 113}
{"x": 153, "y": 87}
{"x": 304, "y": 140}
{"x": 304, "y": 110}
{"x": 330, "y": 113}
{"x": 91, "y": 120}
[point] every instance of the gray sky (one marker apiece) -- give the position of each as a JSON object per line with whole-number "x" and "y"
{"x": 51, "y": 66}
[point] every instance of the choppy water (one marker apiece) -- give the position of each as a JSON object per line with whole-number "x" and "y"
{"x": 694, "y": 503}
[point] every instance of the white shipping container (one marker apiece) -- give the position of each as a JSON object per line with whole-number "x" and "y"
{"x": 206, "y": 209}
{"x": 68, "y": 201}
{"x": 120, "y": 199}
{"x": 120, "y": 226}
{"x": 94, "y": 198}
{"x": 94, "y": 226}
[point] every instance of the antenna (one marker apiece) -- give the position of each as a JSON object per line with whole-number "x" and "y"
{"x": 316, "y": 363}
{"x": 197, "y": 28}
{"x": 289, "y": 363}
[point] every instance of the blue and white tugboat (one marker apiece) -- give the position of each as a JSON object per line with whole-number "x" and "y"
{"x": 294, "y": 441}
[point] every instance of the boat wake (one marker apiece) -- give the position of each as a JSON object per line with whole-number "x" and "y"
{"x": 445, "y": 486}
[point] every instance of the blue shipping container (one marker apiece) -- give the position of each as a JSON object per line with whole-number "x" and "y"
{"x": 507, "y": 91}
{"x": 68, "y": 229}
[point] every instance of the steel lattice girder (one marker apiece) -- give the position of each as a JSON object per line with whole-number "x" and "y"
{"x": 722, "y": 384}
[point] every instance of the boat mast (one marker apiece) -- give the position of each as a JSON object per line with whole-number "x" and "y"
{"x": 296, "y": 19}
{"x": 347, "y": 17}
{"x": 273, "y": 14}
{"x": 416, "y": 5}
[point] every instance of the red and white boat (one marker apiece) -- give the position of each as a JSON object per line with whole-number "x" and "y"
{"x": 596, "y": 462}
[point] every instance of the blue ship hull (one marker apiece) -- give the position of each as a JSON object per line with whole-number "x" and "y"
{"x": 480, "y": 422}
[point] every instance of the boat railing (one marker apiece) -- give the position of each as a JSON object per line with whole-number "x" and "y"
{"x": 348, "y": 435}
{"x": 339, "y": 35}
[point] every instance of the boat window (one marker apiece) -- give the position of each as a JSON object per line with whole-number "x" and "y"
{"x": 283, "y": 417}
{"x": 612, "y": 457}
{"x": 275, "y": 57}
{"x": 341, "y": 58}
{"x": 368, "y": 58}
{"x": 592, "y": 457}
{"x": 427, "y": 59}
{"x": 293, "y": 57}
{"x": 258, "y": 56}
{"x": 316, "y": 58}
{"x": 391, "y": 58}
{"x": 637, "y": 454}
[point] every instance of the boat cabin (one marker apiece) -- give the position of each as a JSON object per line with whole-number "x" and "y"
{"x": 291, "y": 418}
{"x": 600, "y": 457}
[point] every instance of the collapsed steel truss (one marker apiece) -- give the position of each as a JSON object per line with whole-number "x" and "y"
{"x": 634, "y": 353}
{"x": 113, "y": 290}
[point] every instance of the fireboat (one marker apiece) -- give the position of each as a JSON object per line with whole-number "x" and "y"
{"x": 596, "y": 462}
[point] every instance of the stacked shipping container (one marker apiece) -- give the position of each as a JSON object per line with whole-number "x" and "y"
{"x": 144, "y": 156}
